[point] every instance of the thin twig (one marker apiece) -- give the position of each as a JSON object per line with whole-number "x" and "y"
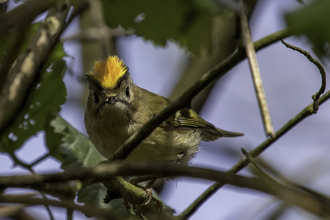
{"x": 254, "y": 153}
{"x": 290, "y": 183}
{"x": 29, "y": 167}
{"x": 69, "y": 214}
{"x": 185, "y": 99}
{"x": 255, "y": 71}
{"x": 260, "y": 171}
{"x": 321, "y": 70}
{"x": 50, "y": 213}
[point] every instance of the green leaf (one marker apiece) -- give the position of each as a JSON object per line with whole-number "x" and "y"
{"x": 48, "y": 96}
{"x": 70, "y": 146}
{"x": 75, "y": 150}
{"x": 159, "y": 21}
{"x": 312, "y": 21}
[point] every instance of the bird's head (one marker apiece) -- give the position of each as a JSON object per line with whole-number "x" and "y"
{"x": 110, "y": 85}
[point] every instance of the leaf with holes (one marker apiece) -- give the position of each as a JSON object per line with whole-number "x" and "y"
{"x": 49, "y": 94}
{"x": 75, "y": 150}
{"x": 183, "y": 21}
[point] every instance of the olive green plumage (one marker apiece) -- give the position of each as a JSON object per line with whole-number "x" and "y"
{"x": 116, "y": 112}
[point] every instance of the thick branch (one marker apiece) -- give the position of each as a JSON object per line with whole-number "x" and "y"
{"x": 105, "y": 171}
{"x": 25, "y": 72}
{"x": 24, "y": 12}
{"x": 185, "y": 99}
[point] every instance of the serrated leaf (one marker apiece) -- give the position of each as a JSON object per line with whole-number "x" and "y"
{"x": 75, "y": 150}
{"x": 70, "y": 146}
{"x": 159, "y": 21}
{"x": 48, "y": 96}
{"x": 312, "y": 20}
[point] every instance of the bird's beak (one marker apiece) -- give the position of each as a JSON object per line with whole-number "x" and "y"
{"x": 111, "y": 100}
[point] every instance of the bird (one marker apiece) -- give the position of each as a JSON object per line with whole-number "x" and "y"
{"x": 117, "y": 108}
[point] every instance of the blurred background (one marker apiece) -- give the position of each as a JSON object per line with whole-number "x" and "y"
{"x": 289, "y": 82}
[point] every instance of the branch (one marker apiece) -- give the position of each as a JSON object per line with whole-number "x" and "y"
{"x": 14, "y": 42}
{"x": 26, "y": 71}
{"x": 255, "y": 71}
{"x": 103, "y": 172}
{"x": 321, "y": 70}
{"x": 254, "y": 153}
{"x": 29, "y": 167}
{"x": 11, "y": 211}
{"x": 22, "y": 13}
{"x": 117, "y": 188}
{"x": 185, "y": 99}
{"x": 102, "y": 29}
{"x": 64, "y": 203}
{"x": 262, "y": 173}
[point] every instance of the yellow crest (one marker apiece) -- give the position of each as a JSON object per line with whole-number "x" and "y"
{"x": 108, "y": 71}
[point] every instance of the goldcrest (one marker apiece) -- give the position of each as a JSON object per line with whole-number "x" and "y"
{"x": 117, "y": 108}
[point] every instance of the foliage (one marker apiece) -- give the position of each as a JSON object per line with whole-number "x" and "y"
{"x": 49, "y": 94}
{"x": 74, "y": 150}
{"x": 312, "y": 20}
{"x": 187, "y": 23}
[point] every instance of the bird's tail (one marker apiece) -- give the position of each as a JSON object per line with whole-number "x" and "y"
{"x": 213, "y": 134}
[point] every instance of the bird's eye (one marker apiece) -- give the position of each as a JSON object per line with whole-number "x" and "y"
{"x": 127, "y": 92}
{"x": 99, "y": 86}
{"x": 96, "y": 98}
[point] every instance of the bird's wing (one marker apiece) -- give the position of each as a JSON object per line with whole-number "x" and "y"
{"x": 188, "y": 119}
